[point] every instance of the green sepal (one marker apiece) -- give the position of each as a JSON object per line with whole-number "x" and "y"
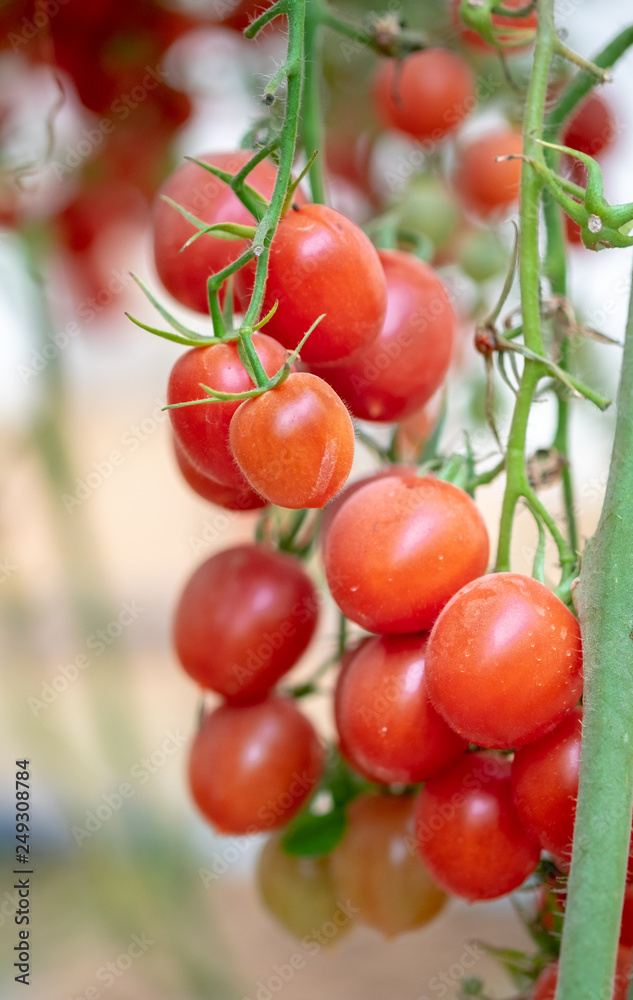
{"x": 195, "y": 340}
{"x": 173, "y": 322}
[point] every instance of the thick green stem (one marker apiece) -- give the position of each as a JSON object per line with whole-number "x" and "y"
{"x": 605, "y": 799}
{"x": 313, "y": 140}
{"x": 287, "y": 142}
{"x": 529, "y": 271}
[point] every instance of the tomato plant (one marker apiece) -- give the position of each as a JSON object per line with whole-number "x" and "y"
{"x": 403, "y": 367}
{"x": 252, "y": 766}
{"x": 424, "y": 535}
{"x": 504, "y": 661}
{"x": 244, "y": 619}
{"x": 468, "y": 832}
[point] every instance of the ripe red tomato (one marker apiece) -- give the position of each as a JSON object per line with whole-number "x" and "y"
{"x": 389, "y": 730}
{"x": 377, "y": 868}
{"x": 474, "y": 40}
{"x": 504, "y": 661}
{"x": 203, "y": 431}
{"x": 591, "y": 129}
{"x": 294, "y": 443}
{"x": 252, "y": 766}
{"x": 427, "y": 95}
{"x": 486, "y": 187}
{"x": 184, "y": 275}
{"x": 321, "y": 262}
{"x": 399, "y": 548}
{"x": 400, "y": 370}
{"x": 545, "y": 986}
{"x": 244, "y": 619}
{"x": 545, "y": 786}
{"x": 335, "y": 505}
{"x": 230, "y": 497}
{"x": 468, "y": 832}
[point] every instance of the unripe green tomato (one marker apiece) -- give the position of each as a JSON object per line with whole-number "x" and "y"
{"x": 427, "y": 208}
{"x": 299, "y": 893}
{"x": 482, "y": 255}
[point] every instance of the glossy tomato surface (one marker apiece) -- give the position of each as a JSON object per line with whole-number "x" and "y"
{"x": 427, "y": 95}
{"x": 592, "y": 128}
{"x": 404, "y": 366}
{"x": 545, "y": 786}
{"x": 252, "y": 766}
{"x": 399, "y": 548}
{"x": 487, "y": 187}
{"x": 230, "y": 497}
{"x": 185, "y": 274}
{"x": 504, "y": 661}
{"x": 377, "y": 868}
{"x": 468, "y": 831}
{"x": 202, "y": 431}
{"x": 244, "y": 619}
{"x": 389, "y": 730}
{"x": 295, "y": 443}
{"x": 322, "y": 263}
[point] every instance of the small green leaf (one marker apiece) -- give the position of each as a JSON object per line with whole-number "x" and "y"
{"x": 313, "y": 836}
{"x": 194, "y": 340}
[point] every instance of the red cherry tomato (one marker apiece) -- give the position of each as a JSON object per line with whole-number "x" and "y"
{"x": 468, "y": 832}
{"x": 545, "y": 986}
{"x": 475, "y": 41}
{"x": 399, "y": 548}
{"x": 591, "y": 129}
{"x": 231, "y": 497}
{"x": 321, "y": 263}
{"x": 377, "y": 868}
{"x": 427, "y": 95}
{"x": 294, "y": 443}
{"x": 400, "y": 370}
{"x": 252, "y": 766}
{"x": 244, "y": 618}
{"x": 389, "y": 730}
{"x": 545, "y": 786}
{"x": 185, "y": 274}
{"x": 335, "y": 505}
{"x": 504, "y": 661}
{"x": 486, "y": 187}
{"x": 203, "y": 430}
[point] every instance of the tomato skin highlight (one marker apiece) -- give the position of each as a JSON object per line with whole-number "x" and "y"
{"x": 244, "y": 618}
{"x": 404, "y": 366}
{"x": 504, "y": 661}
{"x": 376, "y": 868}
{"x": 545, "y": 786}
{"x": 252, "y": 766}
{"x": 487, "y": 188}
{"x": 468, "y": 832}
{"x": 321, "y": 262}
{"x": 427, "y": 95}
{"x": 399, "y": 548}
{"x": 294, "y": 443}
{"x": 202, "y": 431}
{"x": 389, "y": 730}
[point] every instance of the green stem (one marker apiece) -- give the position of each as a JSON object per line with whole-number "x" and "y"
{"x": 313, "y": 139}
{"x": 529, "y": 269}
{"x": 605, "y": 799}
{"x": 287, "y": 143}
